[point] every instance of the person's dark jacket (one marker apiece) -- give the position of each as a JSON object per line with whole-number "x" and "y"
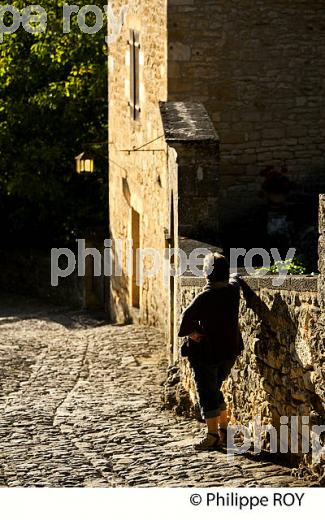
{"x": 214, "y": 313}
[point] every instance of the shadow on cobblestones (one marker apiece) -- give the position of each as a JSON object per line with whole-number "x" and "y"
{"x": 15, "y": 309}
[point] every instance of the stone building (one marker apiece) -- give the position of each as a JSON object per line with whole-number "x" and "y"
{"x": 202, "y": 96}
{"x": 163, "y": 162}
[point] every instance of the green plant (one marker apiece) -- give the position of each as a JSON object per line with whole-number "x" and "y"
{"x": 290, "y": 266}
{"x": 53, "y": 105}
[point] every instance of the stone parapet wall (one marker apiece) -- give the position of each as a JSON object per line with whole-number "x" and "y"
{"x": 276, "y": 374}
{"x": 279, "y": 372}
{"x": 321, "y": 250}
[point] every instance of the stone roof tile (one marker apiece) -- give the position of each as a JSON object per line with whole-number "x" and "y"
{"x": 187, "y": 121}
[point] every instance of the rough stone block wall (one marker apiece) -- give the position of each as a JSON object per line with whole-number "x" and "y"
{"x": 321, "y": 250}
{"x": 280, "y": 372}
{"x": 138, "y": 179}
{"x": 320, "y": 338}
{"x": 198, "y": 186}
{"x": 190, "y": 132}
{"x": 276, "y": 374}
{"x": 258, "y": 67}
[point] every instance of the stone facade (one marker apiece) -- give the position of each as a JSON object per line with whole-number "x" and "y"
{"x": 138, "y": 188}
{"x": 163, "y": 172}
{"x": 258, "y": 69}
{"x": 190, "y": 133}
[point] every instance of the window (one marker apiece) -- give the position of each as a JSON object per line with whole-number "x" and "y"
{"x": 134, "y": 103}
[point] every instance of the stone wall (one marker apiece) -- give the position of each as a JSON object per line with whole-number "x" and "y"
{"x": 280, "y": 372}
{"x": 258, "y": 67}
{"x": 190, "y": 132}
{"x": 198, "y": 202}
{"x": 138, "y": 182}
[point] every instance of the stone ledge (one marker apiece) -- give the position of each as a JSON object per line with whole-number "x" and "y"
{"x": 292, "y": 283}
{"x": 304, "y": 283}
{"x": 192, "y": 281}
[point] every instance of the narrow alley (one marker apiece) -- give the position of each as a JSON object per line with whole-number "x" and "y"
{"x": 80, "y": 405}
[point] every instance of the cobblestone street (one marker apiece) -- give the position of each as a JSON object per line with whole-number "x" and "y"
{"x": 80, "y": 405}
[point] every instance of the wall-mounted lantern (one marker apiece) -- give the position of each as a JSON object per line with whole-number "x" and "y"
{"x": 84, "y": 163}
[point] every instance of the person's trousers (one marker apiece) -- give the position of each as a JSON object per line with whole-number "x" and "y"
{"x": 208, "y": 379}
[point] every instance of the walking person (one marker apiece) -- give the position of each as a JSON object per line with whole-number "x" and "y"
{"x": 213, "y": 343}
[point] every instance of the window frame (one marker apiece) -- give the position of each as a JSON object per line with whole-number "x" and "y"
{"x": 134, "y": 46}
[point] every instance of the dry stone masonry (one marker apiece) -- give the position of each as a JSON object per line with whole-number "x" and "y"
{"x": 244, "y": 60}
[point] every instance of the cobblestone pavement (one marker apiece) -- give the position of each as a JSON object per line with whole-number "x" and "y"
{"x": 80, "y": 405}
